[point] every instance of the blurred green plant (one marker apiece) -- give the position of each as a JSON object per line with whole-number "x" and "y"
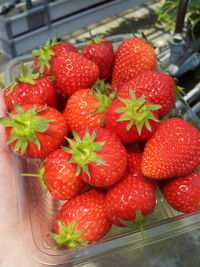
{"x": 167, "y": 11}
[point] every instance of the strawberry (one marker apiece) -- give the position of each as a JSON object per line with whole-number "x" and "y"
{"x": 81, "y": 220}
{"x": 183, "y": 193}
{"x": 99, "y": 156}
{"x": 134, "y": 163}
{"x": 58, "y": 175}
{"x": 73, "y": 71}
{"x": 130, "y": 198}
{"x": 174, "y": 150}
{"x": 44, "y": 56}
{"x": 30, "y": 88}
{"x": 158, "y": 88}
{"x": 100, "y": 51}
{"x": 132, "y": 119}
{"x": 34, "y": 131}
{"x": 86, "y": 107}
{"x": 134, "y": 158}
{"x": 132, "y": 57}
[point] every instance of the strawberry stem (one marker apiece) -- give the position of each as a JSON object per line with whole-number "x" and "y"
{"x": 30, "y": 175}
{"x": 20, "y": 122}
{"x": 94, "y": 40}
{"x": 141, "y": 106}
{"x": 40, "y": 176}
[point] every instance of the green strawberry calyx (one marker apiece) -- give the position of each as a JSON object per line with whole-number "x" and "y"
{"x": 27, "y": 76}
{"x": 67, "y": 235}
{"x": 136, "y": 223}
{"x": 95, "y": 39}
{"x": 84, "y": 151}
{"x": 44, "y": 54}
{"x": 137, "y": 112}
{"x": 24, "y": 126}
{"x": 101, "y": 92}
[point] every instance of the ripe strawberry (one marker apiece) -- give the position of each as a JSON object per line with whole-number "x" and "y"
{"x": 86, "y": 107}
{"x": 81, "y": 220}
{"x": 30, "y": 88}
{"x": 132, "y": 57}
{"x": 129, "y": 198}
{"x": 158, "y": 88}
{"x": 174, "y": 150}
{"x": 35, "y": 130}
{"x": 59, "y": 175}
{"x": 44, "y": 56}
{"x": 132, "y": 119}
{"x": 134, "y": 158}
{"x": 73, "y": 71}
{"x": 99, "y": 156}
{"x": 100, "y": 51}
{"x": 134, "y": 163}
{"x": 183, "y": 193}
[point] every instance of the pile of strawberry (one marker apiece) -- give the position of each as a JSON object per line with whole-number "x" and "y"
{"x": 98, "y": 120}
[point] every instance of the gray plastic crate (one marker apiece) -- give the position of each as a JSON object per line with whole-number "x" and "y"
{"x": 39, "y": 16}
{"x": 23, "y": 32}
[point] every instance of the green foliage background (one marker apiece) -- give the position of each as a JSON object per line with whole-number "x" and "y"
{"x": 167, "y": 11}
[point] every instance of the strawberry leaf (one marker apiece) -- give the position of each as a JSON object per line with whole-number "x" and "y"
{"x": 11, "y": 88}
{"x": 6, "y": 122}
{"x": 12, "y": 138}
{"x": 24, "y": 146}
{"x": 18, "y": 109}
{"x": 40, "y": 124}
{"x": 33, "y": 138}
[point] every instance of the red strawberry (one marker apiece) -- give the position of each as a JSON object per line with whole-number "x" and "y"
{"x": 100, "y": 51}
{"x": 158, "y": 88}
{"x": 183, "y": 193}
{"x": 81, "y": 220}
{"x": 30, "y": 88}
{"x": 99, "y": 155}
{"x": 134, "y": 158}
{"x": 133, "y": 57}
{"x": 86, "y": 107}
{"x": 132, "y": 119}
{"x": 44, "y": 56}
{"x": 130, "y": 197}
{"x": 59, "y": 176}
{"x": 73, "y": 71}
{"x": 35, "y": 130}
{"x": 174, "y": 150}
{"x": 134, "y": 163}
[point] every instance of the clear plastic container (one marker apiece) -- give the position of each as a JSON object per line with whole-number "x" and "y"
{"x": 38, "y": 211}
